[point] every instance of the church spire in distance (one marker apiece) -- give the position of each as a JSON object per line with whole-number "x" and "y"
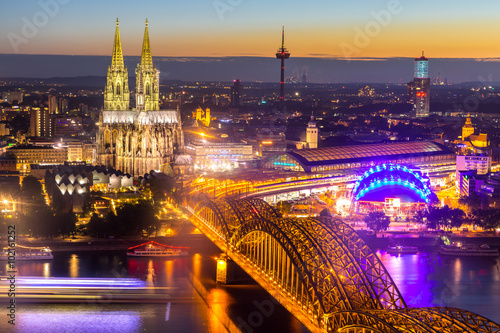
{"x": 116, "y": 94}
{"x": 146, "y": 58}
{"x": 117, "y": 61}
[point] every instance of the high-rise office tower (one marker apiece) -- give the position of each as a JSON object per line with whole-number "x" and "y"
{"x": 53, "y": 105}
{"x": 63, "y": 105}
{"x": 40, "y": 122}
{"x": 282, "y": 54}
{"x": 236, "y": 93}
{"x": 421, "y": 87}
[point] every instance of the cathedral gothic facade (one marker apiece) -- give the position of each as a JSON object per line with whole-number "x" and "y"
{"x": 136, "y": 140}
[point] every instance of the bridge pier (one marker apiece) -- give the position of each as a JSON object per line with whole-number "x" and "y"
{"x": 228, "y": 271}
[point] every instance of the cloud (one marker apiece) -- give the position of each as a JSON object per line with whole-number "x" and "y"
{"x": 487, "y": 59}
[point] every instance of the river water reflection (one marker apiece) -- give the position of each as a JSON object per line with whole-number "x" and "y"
{"x": 424, "y": 279}
{"x": 428, "y": 279}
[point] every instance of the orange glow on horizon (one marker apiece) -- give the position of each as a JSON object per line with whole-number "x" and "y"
{"x": 453, "y": 40}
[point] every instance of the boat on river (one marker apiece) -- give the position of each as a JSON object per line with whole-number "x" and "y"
{"x": 155, "y": 249}
{"x": 467, "y": 250}
{"x": 399, "y": 249}
{"x": 20, "y": 252}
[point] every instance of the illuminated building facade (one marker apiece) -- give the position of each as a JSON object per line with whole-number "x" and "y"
{"x": 219, "y": 156}
{"x": 144, "y": 138}
{"x": 74, "y": 182}
{"x": 421, "y": 87}
{"x": 396, "y": 189}
{"x": 202, "y": 117}
{"x": 53, "y": 105}
{"x": 480, "y": 163}
{"x": 27, "y": 155}
{"x": 81, "y": 152}
{"x": 40, "y": 122}
{"x": 63, "y": 106}
{"x": 469, "y": 182}
{"x": 467, "y": 129}
{"x": 4, "y": 130}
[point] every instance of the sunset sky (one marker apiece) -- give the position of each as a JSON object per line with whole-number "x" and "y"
{"x": 215, "y": 28}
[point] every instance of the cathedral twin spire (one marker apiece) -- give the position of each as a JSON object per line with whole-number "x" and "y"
{"x": 116, "y": 94}
{"x": 146, "y": 58}
{"x": 117, "y": 60}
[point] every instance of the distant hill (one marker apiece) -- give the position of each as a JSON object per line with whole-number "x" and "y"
{"x": 253, "y": 69}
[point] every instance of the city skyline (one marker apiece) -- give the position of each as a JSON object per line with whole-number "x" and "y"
{"x": 238, "y": 28}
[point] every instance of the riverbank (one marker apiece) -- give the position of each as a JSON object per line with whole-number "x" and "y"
{"x": 379, "y": 241}
{"x": 100, "y": 244}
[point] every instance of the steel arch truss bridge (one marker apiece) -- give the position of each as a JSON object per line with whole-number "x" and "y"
{"x": 320, "y": 270}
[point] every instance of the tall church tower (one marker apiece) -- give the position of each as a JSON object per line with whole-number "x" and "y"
{"x": 147, "y": 92}
{"x": 136, "y": 141}
{"x": 312, "y": 134}
{"x": 116, "y": 93}
{"x": 468, "y": 129}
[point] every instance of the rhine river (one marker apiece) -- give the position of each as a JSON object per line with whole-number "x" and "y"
{"x": 424, "y": 279}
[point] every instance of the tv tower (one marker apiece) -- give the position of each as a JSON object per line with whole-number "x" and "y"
{"x": 282, "y": 54}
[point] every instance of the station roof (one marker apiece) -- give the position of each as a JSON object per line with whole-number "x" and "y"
{"x": 354, "y": 153}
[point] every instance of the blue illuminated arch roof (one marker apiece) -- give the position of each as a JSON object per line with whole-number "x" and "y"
{"x": 392, "y": 175}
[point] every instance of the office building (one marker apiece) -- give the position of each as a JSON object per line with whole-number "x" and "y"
{"x": 53, "y": 105}
{"x": 236, "y": 91}
{"x": 12, "y": 96}
{"x": 481, "y": 163}
{"x": 219, "y": 156}
{"x": 67, "y": 126}
{"x": 420, "y": 87}
{"x": 40, "y": 122}
{"x": 28, "y": 155}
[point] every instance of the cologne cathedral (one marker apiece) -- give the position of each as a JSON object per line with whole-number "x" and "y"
{"x": 136, "y": 140}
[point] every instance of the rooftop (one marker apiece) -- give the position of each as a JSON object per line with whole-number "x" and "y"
{"x": 366, "y": 151}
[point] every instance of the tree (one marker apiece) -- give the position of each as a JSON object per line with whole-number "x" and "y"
{"x": 486, "y": 218}
{"x": 65, "y": 224}
{"x": 20, "y": 123}
{"x": 130, "y": 220}
{"x": 40, "y": 222}
{"x": 160, "y": 188}
{"x": 284, "y": 207}
{"x": 472, "y": 202}
{"x": 88, "y": 205}
{"x": 32, "y": 190}
{"x": 96, "y": 226}
{"x": 60, "y": 202}
{"x": 377, "y": 221}
{"x": 325, "y": 213}
{"x": 378, "y": 123}
{"x": 445, "y": 217}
